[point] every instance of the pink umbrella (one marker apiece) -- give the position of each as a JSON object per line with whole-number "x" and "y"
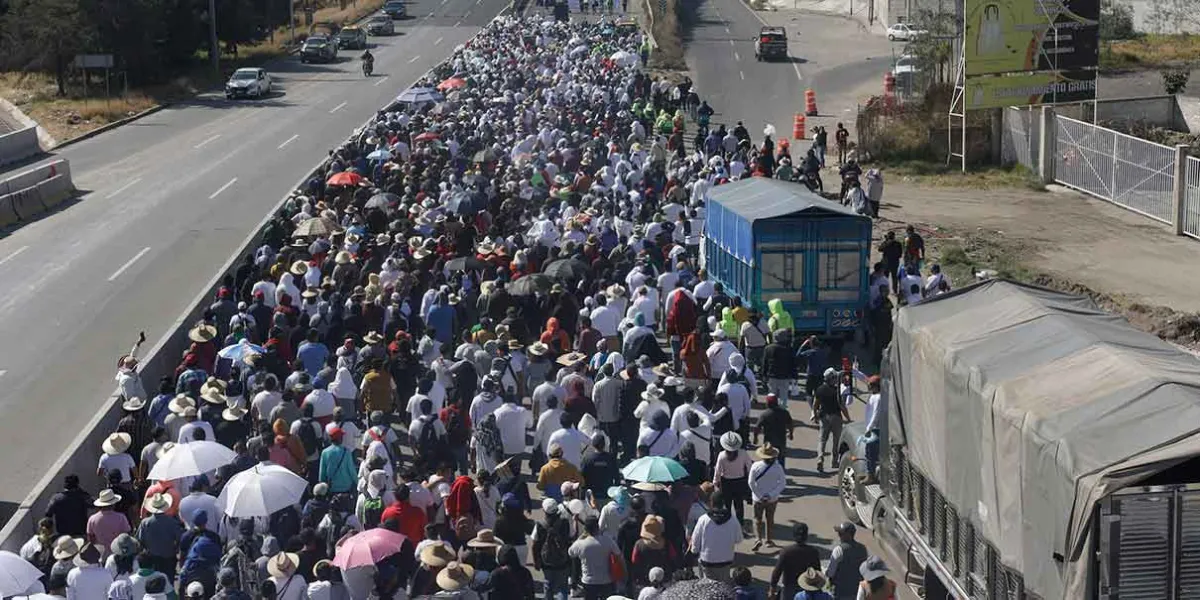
{"x": 367, "y": 548}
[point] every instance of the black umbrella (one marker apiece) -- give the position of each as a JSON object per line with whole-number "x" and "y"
{"x": 383, "y": 200}
{"x": 697, "y": 589}
{"x": 530, "y": 284}
{"x": 566, "y": 269}
{"x": 466, "y": 263}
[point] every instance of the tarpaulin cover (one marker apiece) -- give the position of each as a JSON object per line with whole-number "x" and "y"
{"x": 733, "y": 208}
{"x": 1025, "y": 407}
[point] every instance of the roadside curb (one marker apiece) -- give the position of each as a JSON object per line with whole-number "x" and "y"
{"x": 115, "y": 124}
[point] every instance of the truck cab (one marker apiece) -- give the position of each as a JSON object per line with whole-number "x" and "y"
{"x": 771, "y": 44}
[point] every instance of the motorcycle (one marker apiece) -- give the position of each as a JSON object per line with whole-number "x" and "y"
{"x": 367, "y": 67}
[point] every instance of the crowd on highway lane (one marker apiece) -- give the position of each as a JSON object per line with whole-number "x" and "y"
{"x": 441, "y": 371}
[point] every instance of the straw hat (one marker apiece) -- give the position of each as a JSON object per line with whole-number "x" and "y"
{"x": 214, "y": 396}
{"x": 202, "y": 333}
{"x": 124, "y": 545}
{"x": 299, "y": 268}
{"x": 539, "y": 349}
{"x": 652, "y": 531}
{"x": 309, "y": 293}
{"x": 133, "y": 404}
{"x": 653, "y": 392}
{"x": 180, "y": 403}
{"x": 731, "y": 441}
{"x": 233, "y": 413}
{"x": 283, "y": 565}
{"x": 571, "y": 359}
{"x": 649, "y": 486}
{"x": 343, "y": 258}
{"x": 436, "y": 555}
{"x": 117, "y": 443}
{"x": 107, "y": 497}
{"x": 514, "y": 344}
{"x": 66, "y": 546}
{"x": 455, "y": 576}
{"x": 615, "y": 290}
{"x": 158, "y": 503}
{"x": 484, "y": 539}
{"x": 766, "y": 451}
{"x": 812, "y": 580}
{"x": 190, "y": 412}
{"x": 372, "y": 337}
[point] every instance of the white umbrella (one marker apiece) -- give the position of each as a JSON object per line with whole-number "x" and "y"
{"x": 624, "y": 59}
{"x": 261, "y": 490}
{"x": 191, "y": 459}
{"x": 16, "y": 574}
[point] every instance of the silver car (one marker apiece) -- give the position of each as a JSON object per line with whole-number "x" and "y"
{"x": 381, "y": 25}
{"x": 249, "y": 82}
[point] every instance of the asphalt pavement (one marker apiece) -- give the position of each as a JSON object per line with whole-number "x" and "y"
{"x": 166, "y": 200}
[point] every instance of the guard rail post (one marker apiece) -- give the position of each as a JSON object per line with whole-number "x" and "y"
{"x": 1047, "y": 141}
{"x": 1179, "y": 192}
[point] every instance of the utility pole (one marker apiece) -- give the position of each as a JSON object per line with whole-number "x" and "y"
{"x": 292, "y": 19}
{"x": 212, "y": 37}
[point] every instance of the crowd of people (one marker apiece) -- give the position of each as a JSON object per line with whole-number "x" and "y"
{"x": 451, "y": 333}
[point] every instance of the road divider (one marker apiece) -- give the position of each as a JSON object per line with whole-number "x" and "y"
{"x": 31, "y": 194}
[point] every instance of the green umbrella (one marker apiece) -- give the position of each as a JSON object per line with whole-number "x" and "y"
{"x": 654, "y": 469}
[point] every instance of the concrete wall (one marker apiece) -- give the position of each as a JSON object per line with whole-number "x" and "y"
{"x": 19, "y": 145}
{"x": 1157, "y": 111}
{"x": 30, "y": 194}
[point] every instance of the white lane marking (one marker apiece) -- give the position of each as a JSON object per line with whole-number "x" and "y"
{"x": 288, "y": 141}
{"x": 796, "y": 68}
{"x": 206, "y": 142}
{"x": 380, "y": 82}
{"x": 125, "y": 266}
{"x": 2, "y": 372}
{"x": 743, "y": 75}
{"x": 731, "y": 42}
{"x": 14, "y": 254}
{"x": 118, "y": 191}
{"x": 458, "y": 23}
{"x": 337, "y": 108}
{"x": 414, "y": 59}
{"x": 222, "y": 188}
{"x": 438, "y": 42}
{"x": 737, "y": 57}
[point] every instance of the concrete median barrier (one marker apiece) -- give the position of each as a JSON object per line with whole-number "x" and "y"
{"x": 8, "y": 216}
{"x": 29, "y": 195}
{"x": 19, "y": 145}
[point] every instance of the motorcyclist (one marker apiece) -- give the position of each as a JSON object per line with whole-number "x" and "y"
{"x": 704, "y": 113}
{"x": 812, "y": 171}
{"x": 740, "y": 132}
{"x": 850, "y": 173}
{"x": 368, "y": 60}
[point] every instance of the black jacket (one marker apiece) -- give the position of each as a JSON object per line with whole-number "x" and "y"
{"x": 779, "y": 362}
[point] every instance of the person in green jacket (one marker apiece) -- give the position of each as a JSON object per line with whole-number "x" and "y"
{"x": 644, "y": 51}
{"x": 729, "y": 324}
{"x": 780, "y": 319}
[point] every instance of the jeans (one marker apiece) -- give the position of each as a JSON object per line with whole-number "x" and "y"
{"x": 629, "y": 435}
{"x": 871, "y": 450}
{"x": 831, "y": 427}
{"x": 556, "y": 583}
{"x": 460, "y": 460}
{"x": 779, "y": 387}
{"x": 676, "y": 346}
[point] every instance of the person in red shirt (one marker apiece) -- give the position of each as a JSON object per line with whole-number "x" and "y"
{"x": 410, "y": 518}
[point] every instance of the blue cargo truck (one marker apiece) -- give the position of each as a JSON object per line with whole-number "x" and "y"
{"x": 766, "y": 238}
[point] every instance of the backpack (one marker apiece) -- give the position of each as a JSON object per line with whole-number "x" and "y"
{"x": 44, "y": 559}
{"x": 372, "y": 511}
{"x": 457, "y": 433}
{"x": 429, "y": 444}
{"x": 554, "y": 548}
{"x": 308, "y": 437}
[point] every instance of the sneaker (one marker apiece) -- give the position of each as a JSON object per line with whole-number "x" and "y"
{"x": 757, "y": 544}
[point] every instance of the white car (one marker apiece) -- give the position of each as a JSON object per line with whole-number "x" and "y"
{"x": 249, "y": 82}
{"x": 901, "y": 31}
{"x": 906, "y": 65}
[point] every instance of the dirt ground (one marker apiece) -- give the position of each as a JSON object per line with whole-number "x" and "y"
{"x": 1059, "y": 239}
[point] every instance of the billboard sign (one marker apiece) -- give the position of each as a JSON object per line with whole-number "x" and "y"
{"x": 1019, "y": 89}
{"x": 1004, "y": 36}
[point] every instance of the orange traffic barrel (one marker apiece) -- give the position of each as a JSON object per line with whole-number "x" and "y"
{"x": 889, "y": 83}
{"x": 798, "y": 127}
{"x": 810, "y": 103}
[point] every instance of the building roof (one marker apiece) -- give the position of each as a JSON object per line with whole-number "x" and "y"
{"x": 757, "y": 198}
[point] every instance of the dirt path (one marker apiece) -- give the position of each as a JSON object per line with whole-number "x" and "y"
{"x": 1065, "y": 240}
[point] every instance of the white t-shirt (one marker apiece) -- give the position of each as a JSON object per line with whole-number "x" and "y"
{"x": 88, "y": 583}
{"x": 187, "y": 433}
{"x": 119, "y": 462}
{"x": 322, "y": 402}
{"x": 264, "y": 402}
{"x": 513, "y": 420}
{"x": 572, "y": 441}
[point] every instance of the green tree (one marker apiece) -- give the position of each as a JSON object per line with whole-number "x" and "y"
{"x": 47, "y": 34}
{"x": 935, "y": 49}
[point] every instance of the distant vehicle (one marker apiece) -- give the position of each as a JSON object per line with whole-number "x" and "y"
{"x": 352, "y": 37}
{"x": 772, "y": 43}
{"x": 906, "y": 65}
{"x": 627, "y": 24}
{"x": 249, "y": 82}
{"x": 395, "y": 9}
{"x": 901, "y": 31}
{"x": 381, "y": 25}
{"x": 318, "y": 48}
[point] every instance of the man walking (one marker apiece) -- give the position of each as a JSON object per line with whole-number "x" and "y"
{"x": 831, "y": 415}
{"x": 844, "y": 560}
{"x": 794, "y": 561}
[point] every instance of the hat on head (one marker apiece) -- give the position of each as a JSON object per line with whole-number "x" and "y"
{"x": 195, "y": 589}
{"x": 89, "y": 554}
{"x": 190, "y": 412}
{"x": 133, "y": 404}
{"x": 202, "y": 333}
{"x": 649, "y": 486}
{"x": 214, "y": 396}
{"x": 455, "y": 576}
{"x": 66, "y": 547}
{"x": 571, "y": 359}
{"x": 436, "y": 555}
{"x": 372, "y": 337}
{"x": 652, "y": 531}
{"x": 107, "y": 497}
{"x": 549, "y": 505}
{"x": 158, "y": 503}
{"x": 299, "y": 268}
{"x": 179, "y": 403}
{"x": 343, "y": 258}
{"x": 812, "y": 580}
{"x": 873, "y": 568}
{"x": 731, "y": 441}
{"x": 830, "y": 373}
{"x": 484, "y": 539}
{"x": 234, "y": 413}
{"x": 283, "y": 565}
{"x": 539, "y": 349}
{"x": 117, "y": 443}
{"x": 515, "y": 344}
{"x": 124, "y": 545}
{"x": 653, "y": 392}
{"x": 766, "y": 451}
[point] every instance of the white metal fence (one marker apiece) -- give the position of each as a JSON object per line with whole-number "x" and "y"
{"x": 1125, "y": 170}
{"x": 1021, "y": 138}
{"x": 1191, "y": 199}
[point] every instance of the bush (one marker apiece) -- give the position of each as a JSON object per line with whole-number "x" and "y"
{"x": 1175, "y": 80}
{"x": 1116, "y": 21}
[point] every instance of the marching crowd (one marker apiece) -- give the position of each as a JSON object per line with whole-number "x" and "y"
{"x": 442, "y": 368}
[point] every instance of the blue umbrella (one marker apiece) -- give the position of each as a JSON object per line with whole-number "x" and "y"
{"x": 240, "y": 350}
{"x": 380, "y": 154}
{"x": 420, "y": 96}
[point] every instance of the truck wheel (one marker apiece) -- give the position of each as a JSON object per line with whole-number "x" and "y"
{"x": 848, "y": 488}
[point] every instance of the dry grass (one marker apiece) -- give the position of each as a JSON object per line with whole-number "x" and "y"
{"x": 667, "y": 33}
{"x": 64, "y": 118}
{"x": 939, "y": 174}
{"x": 1151, "y": 51}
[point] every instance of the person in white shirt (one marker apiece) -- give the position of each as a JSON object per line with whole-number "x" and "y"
{"x": 718, "y": 353}
{"x": 571, "y": 440}
{"x": 658, "y": 438}
{"x": 697, "y": 435}
{"x": 513, "y": 420}
{"x": 288, "y": 585}
{"x": 605, "y": 319}
{"x": 703, "y": 290}
{"x": 187, "y": 433}
{"x": 548, "y": 422}
{"x": 616, "y": 300}
{"x": 911, "y": 286}
{"x": 265, "y": 401}
{"x": 767, "y": 482}
{"x": 645, "y": 305}
{"x": 199, "y": 501}
{"x": 652, "y": 403}
{"x": 736, "y": 384}
{"x": 322, "y": 402}
{"x": 714, "y": 538}
{"x": 485, "y": 403}
{"x": 937, "y": 283}
{"x": 423, "y": 418}
{"x": 88, "y": 580}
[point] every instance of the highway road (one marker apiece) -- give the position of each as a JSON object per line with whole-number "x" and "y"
{"x": 168, "y": 198}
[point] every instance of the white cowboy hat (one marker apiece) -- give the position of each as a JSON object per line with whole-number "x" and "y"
{"x": 539, "y": 349}
{"x": 731, "y": 441}
{"x": 66, "y": 546}
{"x": 117, "y": 443}
{"x": 202, "y": 333}
{"x": 299, "y": 268}
{"x": 343, "y": 258}
{"x": 653, "y": 392}
{"x": 158, "y": 503}
{"x": 133, "y": 404}
{"x": 484, "y": 539}
{"x": 214, "y": 396}
{"x": 107, "y": 497}
{"x": 233, "y": 413}
{"x": 372, "y": 337}
{"x": 615, "y": 290}
{"x": 180, "y": 403}
{"x": 283, "y": 565}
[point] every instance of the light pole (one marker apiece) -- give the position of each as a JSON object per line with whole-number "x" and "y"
{"x": 212, "y": 36}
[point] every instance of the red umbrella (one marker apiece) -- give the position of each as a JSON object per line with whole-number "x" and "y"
{"x": 428, "y": 136}
{"x": 344, "y": 178}
{"x": 452, "y": 83}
